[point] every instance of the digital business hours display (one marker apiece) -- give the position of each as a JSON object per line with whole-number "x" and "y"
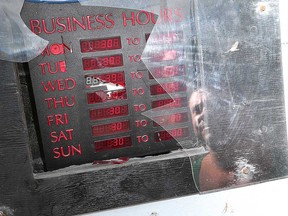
{"x": 90, "y": 86}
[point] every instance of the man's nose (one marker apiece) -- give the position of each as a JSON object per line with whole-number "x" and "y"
{"x": 200, "y": 117}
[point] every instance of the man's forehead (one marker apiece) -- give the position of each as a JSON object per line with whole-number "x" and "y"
{"x": 197, "y": 97}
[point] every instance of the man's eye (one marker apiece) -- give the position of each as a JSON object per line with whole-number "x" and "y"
{"x": 198, "y": 108}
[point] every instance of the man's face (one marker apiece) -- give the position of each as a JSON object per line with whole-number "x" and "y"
{"x": 197, "y": 108}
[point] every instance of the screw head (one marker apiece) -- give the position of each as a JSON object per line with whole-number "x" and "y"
{"x": 246, "y": 170}
{"x": 262, "y": 8}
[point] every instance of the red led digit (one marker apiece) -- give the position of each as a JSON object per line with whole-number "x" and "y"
{"x": 167, "y": 71}
{"x": 99, "y": 79}
{"x": 171, "y": 134}
{"x": 109, "y": 112}
{"x": 163, "y": 136}
{"x": 164, "y": 88}
{"x": 102, "y": 62}
{"x": 114, "y": 143}
{"x": 165, "y": 37}
{"x": 96, "y": 97}
{"x": 170, "y": 103}
{"x": 104, "y": 96}
{"x": 103, "y": 44}
{"x": 118, "y": 95}
{"x": 90, "y": 64}
{"x": 160, "y": 103}
{"x": 115, "y": 127}
{"x": 165, "y": 55}
{"x": 170, "y": 119}
{"x": 118, "y": 78}
{"x": 84, "y": 46}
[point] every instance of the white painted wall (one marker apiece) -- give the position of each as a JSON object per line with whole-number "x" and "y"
{"x": 266, "y": 199}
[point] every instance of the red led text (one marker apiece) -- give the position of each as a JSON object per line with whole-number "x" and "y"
{"x": 138, "y": 91}
{"x": 167, "y": 15}
{"x": 58, "y": 119}
{"x": 133, "y": 41}
{"x": 56, "y": 49}
{"x": 137, "y": 75}
{"x": 144, "y": 138}
{"x": 134, "y": 58}
{"x": 69, "y": 24}
{"x": 140, "y": 107}
{"x": 141, "y": 123}
{"x": 61, "y": 102}
{"x": 56, "y": 68}
{"x": 60, "y": 85}
{"x": 67, "y": 151}
{"x": 61, "y": 136}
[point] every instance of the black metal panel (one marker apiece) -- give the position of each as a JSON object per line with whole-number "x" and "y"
{"x": 59, "y": 76}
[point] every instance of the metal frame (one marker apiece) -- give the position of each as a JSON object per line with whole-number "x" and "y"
{"x": 76, "y": 190}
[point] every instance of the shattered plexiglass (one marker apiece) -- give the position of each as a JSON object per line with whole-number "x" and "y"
{"x": 17, "y": 42}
